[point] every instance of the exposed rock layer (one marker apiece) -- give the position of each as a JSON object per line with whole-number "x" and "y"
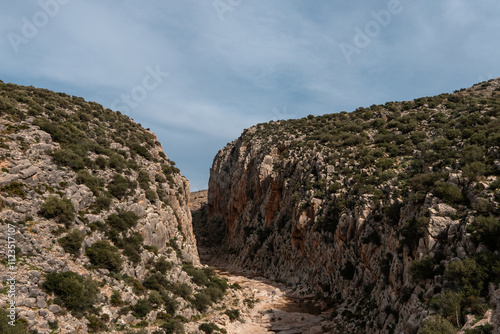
{"x": 56, "y": 146}
{"x": 343, "y": 205}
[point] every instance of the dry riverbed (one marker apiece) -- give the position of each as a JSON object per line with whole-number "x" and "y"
{"x": 264, "y": 307}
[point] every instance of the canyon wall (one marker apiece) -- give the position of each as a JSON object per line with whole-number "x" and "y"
{"x": 381, "y": 212}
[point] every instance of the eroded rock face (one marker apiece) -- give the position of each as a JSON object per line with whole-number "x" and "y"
{"x": 34, "y": 151}
{"x": 346, "y": 219}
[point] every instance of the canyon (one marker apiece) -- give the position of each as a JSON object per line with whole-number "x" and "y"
{"x": 382, "y": 220}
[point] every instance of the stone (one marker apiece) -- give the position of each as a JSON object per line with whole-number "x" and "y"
{"x": 40, "y": 302}
{"x": 55, "y": 308}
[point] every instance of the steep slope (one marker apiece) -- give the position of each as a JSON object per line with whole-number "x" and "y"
{"x": 95, "y": 225}
{"x": 389, "y": 213}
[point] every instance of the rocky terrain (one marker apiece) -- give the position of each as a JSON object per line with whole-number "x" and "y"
{"x": 382, "y": 220}
{"x": 96, "y": 231}
{"x": 388, "y": 214}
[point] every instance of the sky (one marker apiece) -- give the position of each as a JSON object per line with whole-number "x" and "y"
{"x": 198, "y": 72}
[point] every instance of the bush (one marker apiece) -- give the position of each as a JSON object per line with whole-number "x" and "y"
{"x": 422, "y": 269}
{"x": 143, "y": 179}
{"x": 172, "y": 326}
{"x": 233, "y": 314}
{"x": 484, "y": 329}
{"x": 436, "y": 324}
{"x": 122, "y": 221}
{"x": 116, "y": 299}
{"x": 141, "y": 308}
{"x": 466, "y": 275}
{"x": 198, "y": 276}
{"x": 486, "y": 230}
{"x": 413, "y": 229}
{"x": 72, "y": 242}
{"x": 449, "y": 305}
{"x": 162, "y": 265}
{"x": 92, "y": 182}
{"x": 202, "y": 301}
{"x": 14, "y": 189}
{"x": 66, "y": 157}
{"x": 96, "y": 324}
{"x": 121, "y": 186}
{"x": 183, "y": 290}
{"x": 210, "y": 328}
{"x": 448, "y": 192}
{"x": 59, "y": 208}
{"x": 75, "y": 293}
{"x": 5, "y": 328}
{"x": 103, "y": 255}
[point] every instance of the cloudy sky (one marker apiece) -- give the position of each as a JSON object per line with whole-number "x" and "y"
{"x": 198, "y": 72}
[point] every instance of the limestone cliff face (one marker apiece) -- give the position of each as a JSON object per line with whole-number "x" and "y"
{"x": 371, "y": 210}
{"x": 75, "y": 175}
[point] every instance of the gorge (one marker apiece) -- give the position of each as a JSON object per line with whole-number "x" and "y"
{"x": 385, "y": 220}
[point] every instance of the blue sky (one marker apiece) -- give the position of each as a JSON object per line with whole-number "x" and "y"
{"x": 199, "y": 72}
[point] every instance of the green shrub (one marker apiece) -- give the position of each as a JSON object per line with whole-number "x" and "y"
{"x": 101, "y": 162}
{"x": 92, "y": 182}
{"x": 202, "y": 301}
{"x": 162, "y": 265}
{"x": 422, "y": 269}
{"x": 121, "y": 186}
{"x": 484, "y": 329}
{"x": 436, "y": 324}
{"x": 173, "y": 326}
{"x": 96, "y": 324}
{"x": 14, "y": 189}
{"x": 101, "y": 203}
{"x": 448, "y": 192}
{"x": 66, "y": 157}
{"x": 183, "y": 290}
{"x": 449, "y": 305}
{"x": 466, "y": 275}
{"x": 122, "y": 221}
{"x": 155, "y": 299}
{"x": 116, "y": 298}
{"x": 72, "y": 242}
{"x": 141, "y": 308}
{"x": 117, "y": 162}
{"x": 210, "y": 328}
{"x": 486, "y": 230}
{"x": 143, "y": 179}
{"x": 75, "y": 293}
{"x": 233, "y": 314}
{"x": 156, "y": 281}
{"x": 59, "y": 208}
{"x": 103, "y": 255}
{"x": 198, "y": 276}
{"x": 413, "y": 229}
{"x": 151, "y": 195}
{"x": 6, "y": 328}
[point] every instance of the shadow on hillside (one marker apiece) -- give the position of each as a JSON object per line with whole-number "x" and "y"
{"x": 209, "y": 237}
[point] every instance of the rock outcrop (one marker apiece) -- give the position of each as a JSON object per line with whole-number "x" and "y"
{"x": 88, "y": 196}
{"x": 389, "y": 214}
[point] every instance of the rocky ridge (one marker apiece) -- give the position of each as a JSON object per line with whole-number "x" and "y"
{"x": 100, "y": 220}
{"x": 389, "y": 214}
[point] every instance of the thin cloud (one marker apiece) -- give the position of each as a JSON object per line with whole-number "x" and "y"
{"x": 264, "y": 60}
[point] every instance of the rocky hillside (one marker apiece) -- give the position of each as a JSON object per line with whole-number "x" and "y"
{"x": 96, "y": 232}
{"x": 389, "y": 214}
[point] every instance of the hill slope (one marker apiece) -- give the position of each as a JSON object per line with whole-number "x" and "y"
{"x": 389, "y": 213}
{"x": 96, "y": 220}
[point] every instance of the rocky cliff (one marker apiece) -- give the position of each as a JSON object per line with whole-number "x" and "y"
{"x": 388, "y": 214}
{"x": 96, "y": 232}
